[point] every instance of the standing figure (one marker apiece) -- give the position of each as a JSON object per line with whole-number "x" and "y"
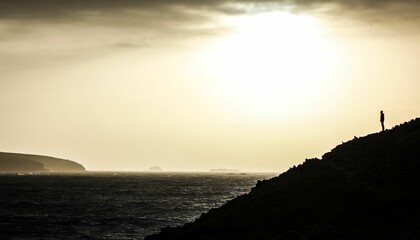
{"x": 382, "y": 120}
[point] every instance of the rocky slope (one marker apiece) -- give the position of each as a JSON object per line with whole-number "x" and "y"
{"x": 16, "y": 162}
{"x": 367, "y": 188}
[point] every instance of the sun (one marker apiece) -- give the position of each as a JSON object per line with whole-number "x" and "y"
{"x": 273, "y": 65}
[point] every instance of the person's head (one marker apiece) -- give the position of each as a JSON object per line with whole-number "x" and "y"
{"x": 382, "y": 111}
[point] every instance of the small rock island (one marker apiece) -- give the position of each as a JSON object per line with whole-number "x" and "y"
{"x": 224, "y": 170}
{"x": 18, "y": 162}
{"x": 155, "y": 169}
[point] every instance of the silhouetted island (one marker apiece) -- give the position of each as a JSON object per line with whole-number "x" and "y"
{"x": 155, "y": 169}
{"x": 17, "y": 162}
{"x": 367, "y": 188}
{"x": 224, "y": 170}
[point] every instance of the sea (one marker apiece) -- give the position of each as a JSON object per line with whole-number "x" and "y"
{"x": 111, "y": 205}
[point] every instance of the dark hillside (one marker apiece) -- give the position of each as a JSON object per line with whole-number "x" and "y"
{"x": 366, "y": 188}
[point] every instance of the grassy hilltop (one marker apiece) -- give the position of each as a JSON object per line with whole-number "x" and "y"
{"x": 367, "y": 188}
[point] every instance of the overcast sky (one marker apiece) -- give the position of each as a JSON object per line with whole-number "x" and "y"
{"x": 195, "y": 85}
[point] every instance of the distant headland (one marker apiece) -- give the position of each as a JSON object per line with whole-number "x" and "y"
{"x": 18, "y": 162}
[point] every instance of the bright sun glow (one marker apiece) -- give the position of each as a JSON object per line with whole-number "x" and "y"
{"x": 272, "y": 66}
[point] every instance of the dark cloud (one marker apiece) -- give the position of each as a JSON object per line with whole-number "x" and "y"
{"x": 126, "y": 24}
{"x": 39, "y": 9}
{"x": 42, "y": 9}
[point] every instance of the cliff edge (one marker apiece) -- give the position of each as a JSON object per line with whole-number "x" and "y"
{"x": 367, "y": 188}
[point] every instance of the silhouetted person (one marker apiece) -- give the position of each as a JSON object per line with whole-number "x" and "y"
{"x": 382, "y": 120}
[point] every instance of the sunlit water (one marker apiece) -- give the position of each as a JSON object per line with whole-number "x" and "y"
{"x": 110, "y": 205}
